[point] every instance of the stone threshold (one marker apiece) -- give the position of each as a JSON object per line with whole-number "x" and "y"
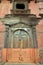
{"x": 7, "y": 63}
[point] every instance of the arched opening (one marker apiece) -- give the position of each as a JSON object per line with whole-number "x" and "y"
{"x": 21, "y": 39}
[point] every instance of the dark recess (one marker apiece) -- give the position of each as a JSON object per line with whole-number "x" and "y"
{"x": 20, "y": 6}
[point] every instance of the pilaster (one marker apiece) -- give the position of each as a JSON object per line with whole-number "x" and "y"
{"x": 12, "y": 39}
{"x": 6, "y": 36}
{"x": 34, "y": 37}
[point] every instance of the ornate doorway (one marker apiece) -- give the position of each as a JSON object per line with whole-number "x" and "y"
{"x": 20, "y": 46}
{"x": 21, "y": 39}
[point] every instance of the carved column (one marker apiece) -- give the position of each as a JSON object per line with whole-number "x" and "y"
{"x": 6, "y": 36}
{"x": 12, "y": 39}
{"x": 10, "y": 36}
{"x": 7, "y": 32}
{"x": 35, "y": 44}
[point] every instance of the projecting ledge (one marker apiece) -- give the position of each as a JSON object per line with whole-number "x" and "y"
{"x": 29, "y": 19}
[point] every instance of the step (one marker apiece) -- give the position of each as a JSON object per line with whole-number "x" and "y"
{"x": 1, "y": 63}
{"x": 20, "y": 64}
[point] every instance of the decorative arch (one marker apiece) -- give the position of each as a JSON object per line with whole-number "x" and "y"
{"x": 21, "y": 39}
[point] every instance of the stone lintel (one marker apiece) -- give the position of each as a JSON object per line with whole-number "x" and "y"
{"x": 29, "y": 19}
